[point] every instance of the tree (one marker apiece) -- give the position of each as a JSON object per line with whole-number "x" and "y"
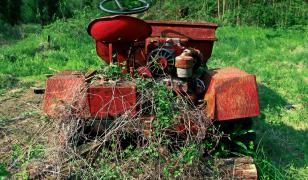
{"x": 87, "y": 3}
{"x": 52, "y": 8}
{"x": 3, "y": 9}
{"x": 47, "y": 10}
{"x": 218, "y": 8}
{"x": 9, "y": 11}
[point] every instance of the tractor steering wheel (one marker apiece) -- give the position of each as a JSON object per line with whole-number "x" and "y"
{"x": 124, "y": 10}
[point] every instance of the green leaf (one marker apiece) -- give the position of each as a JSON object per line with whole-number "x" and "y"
{"x": 241, "y": 144}
{"x": 3, "y": 172}
{"x": 243, "y": 132}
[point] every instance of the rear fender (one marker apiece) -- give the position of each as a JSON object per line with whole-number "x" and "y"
{"x": 231, "y": 94}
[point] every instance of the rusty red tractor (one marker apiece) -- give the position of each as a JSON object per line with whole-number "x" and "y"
{"x": 179, "y": 48}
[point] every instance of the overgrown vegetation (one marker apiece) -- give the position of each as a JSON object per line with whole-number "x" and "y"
{"x": 276, "y": 56}
{"x": 131, "y": 145}
{"x": 40, "y": 11}
{"x": 278, "y": 13}
{"x": 157, "y": 146}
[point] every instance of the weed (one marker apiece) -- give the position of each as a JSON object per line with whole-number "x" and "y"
{"x": 111, "y": 71}
{"x": 266, "y": 168}
{"x": 3, "y": 171}
{"x": 21, "y": 157}
{"x": 3, "y": 120}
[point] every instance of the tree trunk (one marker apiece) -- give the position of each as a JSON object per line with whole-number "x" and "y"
{"x": 218, "y": 8}
{"x": 14, "y": 11}
{"x": 223, "y": 7}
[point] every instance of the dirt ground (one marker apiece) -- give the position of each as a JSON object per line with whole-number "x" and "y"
{"x": 22, "y": 125}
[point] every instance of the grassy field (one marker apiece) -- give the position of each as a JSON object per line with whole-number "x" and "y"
{"x": 279, "y": 60}
{"x": 278, "y": 57}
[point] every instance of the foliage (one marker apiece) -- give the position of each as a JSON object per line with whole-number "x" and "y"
{"x": 111, "y": 71}
{"x": 162, "y": 107}
{"x": 156, "y": 148}
{"x": 236, "y": 142}
{"x": 11, "y": 11}
{"x": 280, "y": 13}
{"x": 20, "y": 156}
{"x": 277, "y": 58}
{"x": 30, "y": 57}
{"x": 40, "y": 11}
{"x": 3, "y": 171}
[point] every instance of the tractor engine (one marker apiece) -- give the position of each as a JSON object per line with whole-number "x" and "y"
{"x": 167, "y": 57}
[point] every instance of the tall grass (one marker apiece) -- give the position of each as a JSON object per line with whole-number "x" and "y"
{"x": 278, "y": 13}
{"x": 70, "y": 48}
{"x": 274, "y": 13}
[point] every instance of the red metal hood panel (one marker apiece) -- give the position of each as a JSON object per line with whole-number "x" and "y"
{"x": 198, "y": 31}
{"x": 120, "y": 28}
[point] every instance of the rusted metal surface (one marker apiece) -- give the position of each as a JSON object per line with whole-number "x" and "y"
{"x": 231, "y": 94}
{"x": 112, "y": 100}
{"x": 184, "y": 64}
{"x": 144, "y": 72}
{"x": 200, "y": 36}
{"x": 190, "y": 30}
{"x": 66, "y": 92}
{"x": 180, "y": 48}
{"x": 121, "y": 33}
{"x": 184, "y": 61}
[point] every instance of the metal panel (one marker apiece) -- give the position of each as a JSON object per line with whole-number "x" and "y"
{"x": 231, "y": 94}
{"x": 112, "y": 100}
{"x": 118, "y": 29}
{"x": 188, "y": 30}
{"x": 65, "y": 94}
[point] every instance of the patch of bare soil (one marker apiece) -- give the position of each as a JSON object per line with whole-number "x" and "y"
{"x": 19, "y": 113}
{"x": 23, "y": 125}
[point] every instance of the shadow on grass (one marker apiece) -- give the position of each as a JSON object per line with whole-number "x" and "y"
{"x": 283, "y": 146}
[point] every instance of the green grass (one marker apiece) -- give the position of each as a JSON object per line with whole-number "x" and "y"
{"x": 70, "y": 48}
{"x": 277, "y": 57}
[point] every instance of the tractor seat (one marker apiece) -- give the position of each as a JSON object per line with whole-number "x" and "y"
{"x": 118, "y": 29}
